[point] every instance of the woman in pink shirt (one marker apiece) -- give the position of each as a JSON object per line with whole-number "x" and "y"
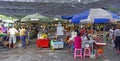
{"x": 78, "y": 41}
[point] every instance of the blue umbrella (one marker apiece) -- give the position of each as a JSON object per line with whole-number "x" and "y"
{"x": 76, "y": 18}
{"x": 96, "y": 15}
{"x": 66, "y": 17}
{"x": 101, "y": 20}
{"x": 114, "y": 15}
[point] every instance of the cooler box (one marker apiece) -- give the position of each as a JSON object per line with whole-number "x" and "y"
{"x": 42, "y": 43}
{"x": 57, "y": 44}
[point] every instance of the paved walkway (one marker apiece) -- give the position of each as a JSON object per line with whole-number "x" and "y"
{"x": 45, "y": 54}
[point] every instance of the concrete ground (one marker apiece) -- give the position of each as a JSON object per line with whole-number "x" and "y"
{"x": 45, "y": 54}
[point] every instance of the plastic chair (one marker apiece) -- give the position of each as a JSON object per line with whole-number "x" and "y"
{"x": 87, "y": 52}
{"x": 76, "y": 54}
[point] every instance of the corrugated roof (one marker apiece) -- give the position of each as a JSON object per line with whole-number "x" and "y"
{"x": 53, "y": 9}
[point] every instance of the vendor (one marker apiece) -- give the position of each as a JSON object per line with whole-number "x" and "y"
{"x": 73, "y": 35}
{"x": 42, "y": 34}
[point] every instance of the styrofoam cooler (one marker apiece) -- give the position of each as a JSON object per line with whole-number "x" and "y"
{"x": 57, "y": 44}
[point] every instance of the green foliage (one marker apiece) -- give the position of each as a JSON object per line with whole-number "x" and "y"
{"x": 4, "y": 17}
{"x": 113, "y": 9}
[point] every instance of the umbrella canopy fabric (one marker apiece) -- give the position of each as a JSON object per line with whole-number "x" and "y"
{"x": 34, "y": 17}
{"x": 95, "y": 15}
{"x": 66, "y": 17}
{"x": 99, "y": 13}
{"x": 114, "y": 15}
{"x": 76, "y": 18}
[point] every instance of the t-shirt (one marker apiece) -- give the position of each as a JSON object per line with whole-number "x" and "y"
{"x": 111, "y": 32}
{"x": 4, "y": 29}
{"x": 22, "y": 32}
{"x": 12, "y": 31}
{"x": 82, "y": 32}
{"x": 77, "y": 42}
{"x": 73, "y": 35}
{"x": 117, "y": 32}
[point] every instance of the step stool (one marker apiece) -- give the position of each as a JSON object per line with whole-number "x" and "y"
{"x": 87, "y": 52}
{"x": 76, "y": 54}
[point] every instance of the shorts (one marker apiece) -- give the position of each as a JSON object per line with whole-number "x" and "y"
{"x": 12, "y": 38}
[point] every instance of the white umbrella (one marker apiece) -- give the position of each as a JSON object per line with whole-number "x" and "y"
{"x": 95, "y": 15}
{"x": 99, "y": 13}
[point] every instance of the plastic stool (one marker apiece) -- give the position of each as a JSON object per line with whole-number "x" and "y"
{"x": 87, "y": 52}
{"x": 76, "y": 54}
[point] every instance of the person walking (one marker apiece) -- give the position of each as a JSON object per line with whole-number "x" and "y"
{"x": 23, "y": 34}
{"x": 111, "y": 34}
{"x": 12, "y": 38}
{"x": 117, "y": 39}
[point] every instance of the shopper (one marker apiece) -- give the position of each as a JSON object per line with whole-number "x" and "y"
{"x": 23, "y": 34}
{"x": 117, "y": 39}
{"x": 111, "y": 34}
{"x": 12, "y": 38}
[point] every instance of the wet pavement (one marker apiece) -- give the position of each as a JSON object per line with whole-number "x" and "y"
{"x": 31, "y": 53}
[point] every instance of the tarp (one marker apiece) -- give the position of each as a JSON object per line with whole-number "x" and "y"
{"x": 34, "y": 17}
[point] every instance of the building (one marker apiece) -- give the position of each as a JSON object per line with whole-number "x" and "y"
{"x": 54, "y": 8}
{"x": 54, "y": 1}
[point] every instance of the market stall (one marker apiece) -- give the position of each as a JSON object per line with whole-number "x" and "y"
{"x": 42, "y": 41}
{"x": 98, "y": 45}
